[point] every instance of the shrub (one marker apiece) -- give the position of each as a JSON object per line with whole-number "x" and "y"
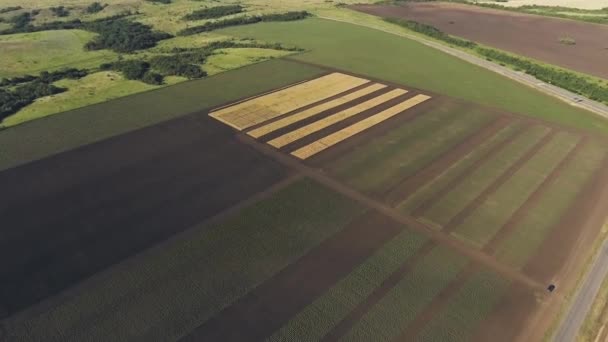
{"x": 152, "y": 78}
{"x": 95, "y": 7}
{"x": 60, "y": 11}
{"x": 214, "y": 12}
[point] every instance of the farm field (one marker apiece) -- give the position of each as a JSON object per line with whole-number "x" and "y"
{"x": 307, "y": 198}
{"x": 532, "y": 36}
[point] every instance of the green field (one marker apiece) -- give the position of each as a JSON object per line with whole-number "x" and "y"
{"x": 404, "y": 61}
{"x": 57, "y": 133}
{"x": 379, "y": 165}
{"x": 456, "y": 199}
{"x": 170, "y": 290}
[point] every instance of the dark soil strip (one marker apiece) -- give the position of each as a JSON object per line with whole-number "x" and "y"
{"x": 438, "y": 304}
{"x": 509, "y": 317}
{"x": 328, "y": 112}
{"x": 264, "y": 310}
{"x": 532, "y": 200}
{"x": 584, "y": 219}
{"x": 314, "y": 104}
{"x": 426, "y": 205}
{"x": 408, "y": 186}
{"x": 498, "y": 182}
{"x": 346, "y": 324}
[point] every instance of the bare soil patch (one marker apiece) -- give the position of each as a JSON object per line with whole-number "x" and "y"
{"x": 84, "y": 210}
{"x": 527, "y": 35}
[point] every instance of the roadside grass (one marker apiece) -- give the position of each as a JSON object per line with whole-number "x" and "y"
{"x": 376, "y": 166}
{"x": 469, "y": 188}
{"x": 165, "y": 293}
{"x": 319, "y": 317}
{"x": 466, "y": 309}
{"x": 61, "y": 132}
{"x": 596, "y": 320}
{"x": 404, "y": 61}
{"x": 538, "y": 222}
{"x": 479, "y": 227}
{"x": 32, "y": 53}
{"x": 408, "y": 298}
{"x": 425, "y": 192}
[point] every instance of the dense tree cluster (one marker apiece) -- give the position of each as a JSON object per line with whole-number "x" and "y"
{"x": 214, "y": 12}
{"x": 13, "y": 100}
{"x": 178, "y": 65}
{"x": 45, "y": 77}
{"x": 214, "y": 25}
{"x": 560, "y": 78}
{"x": 433, "y": 32}
{"x": 95, "y": 7}
{"x": 135, "y": 70}
{"x": 21, "y": 21}
{"x": 123, "y": 35}
{"x": 56, "y": 25}
{"x": 60, "y": 11}
{"x": 10, "y": 9}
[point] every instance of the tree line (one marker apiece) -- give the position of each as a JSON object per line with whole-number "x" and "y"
{"x": 45, "y": 77}
{"x": 214, "y": 12}
{"x": 432, "y": 31}
{"x": 10, "y": 9}
{"x": 214, "y": 25}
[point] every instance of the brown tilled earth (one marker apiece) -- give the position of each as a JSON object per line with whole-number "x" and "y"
{"x": 528, "y": 35}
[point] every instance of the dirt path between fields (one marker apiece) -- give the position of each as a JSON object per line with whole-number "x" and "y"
{"x": 426, "y": 205}
{"x": 511, "y": 225}
{"x": 498, "y": 182}
{"x": 427, "y": 174}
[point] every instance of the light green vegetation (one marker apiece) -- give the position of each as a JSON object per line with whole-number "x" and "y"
{"x": 32, "y": 53}
{"x": 318, "y": 318}
{"x": 466, "y": 309}
{"x": 479, "y": 227}
{"x": 469, "y": 188}
{"x": 533, "y": 229}
{"x": 404, "y": 61}
{"x": 379, "y": 165}
{"x": 425, "y": 192}
{"x": 94, "y": 88}
{"x": 227, "y": 59}
{"x": 597, "y": 318}
{"x": 408, "y": 298}
{"x": 169, "y": 291}
{"x": 65, "y": 131}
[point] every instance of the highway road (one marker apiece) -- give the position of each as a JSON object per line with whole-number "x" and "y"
{"x": 580, "y": 306}
{"x": 583, "y": 300}
{"x": 564, "y": 95}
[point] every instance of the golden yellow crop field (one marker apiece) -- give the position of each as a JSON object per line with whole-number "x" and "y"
{"x": 310, "y": 112}
{"x": 260, "y": 109}
{"x": 335, "y": 118}
{"x": 343, "y": 134}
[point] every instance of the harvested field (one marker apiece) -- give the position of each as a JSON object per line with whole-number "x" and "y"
{"x": 252, "y": 112}
{"x": 532, "y": 36}
{"x": 110, "y": 204}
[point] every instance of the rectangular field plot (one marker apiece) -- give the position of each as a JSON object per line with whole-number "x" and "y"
{"x": 320, "y": 113}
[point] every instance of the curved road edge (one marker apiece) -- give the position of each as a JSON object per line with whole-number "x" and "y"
{"x": 557, "y": 92}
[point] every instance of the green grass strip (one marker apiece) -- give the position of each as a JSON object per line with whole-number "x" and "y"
{"x": 496, "y": 210}
{"x": 376, "y": 166}
{"x": 450, "y": 174}
{"x": 466, "y": 309}
{"x": 167, "y": 292}
{"x": 470, "y": 187}
{"x": 318, "y": 318}
{"x": 555, "y": 201}
{"x": 408, "y": 298}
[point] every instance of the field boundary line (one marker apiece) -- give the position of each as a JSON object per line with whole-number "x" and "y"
{"x": 511, "y": 225}
{"x": 426, "y": 205}
{"x": 459, "y": 218}
{"x": 438, "y": 304}
{"x": 439, "y": 237}
{"x": 346, "y": 323}
{"x": 408, "y": 186}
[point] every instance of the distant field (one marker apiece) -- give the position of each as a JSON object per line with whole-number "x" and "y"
{"x": 410, "y": 63}
{"x": 586, "y": 4}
